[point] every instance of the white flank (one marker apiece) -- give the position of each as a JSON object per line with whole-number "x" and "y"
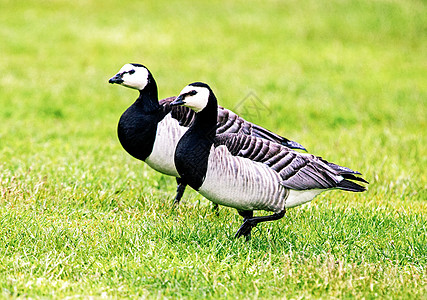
{"x": 161, "y": 159}
{"x": 247, "y": 185}
{"x": 296, "y": 198}
{"x": 241, "y": 183}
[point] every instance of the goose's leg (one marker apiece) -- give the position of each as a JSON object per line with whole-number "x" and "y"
{"x": 251, "y": 222}
{"x": 179, "y": 190}
{"x": 247, "y": 215}
{"x": 215, "y": 208}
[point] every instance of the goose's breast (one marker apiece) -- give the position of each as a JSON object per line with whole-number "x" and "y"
{"x": 241, "y": 183}
{"x": 168, "y": 134}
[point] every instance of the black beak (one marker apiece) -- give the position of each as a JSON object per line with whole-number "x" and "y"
{"x": 178, "y": 101}
{"x": 116, "y": 79}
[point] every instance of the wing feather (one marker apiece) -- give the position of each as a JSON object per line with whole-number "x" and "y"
{"x": 297, "y": 171}
{"x": 228, "y": 122}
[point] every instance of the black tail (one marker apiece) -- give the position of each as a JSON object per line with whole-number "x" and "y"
{"x": 352, "y": 177}
{"x": 350, "y": 186}
{"x": 348, "y": 175}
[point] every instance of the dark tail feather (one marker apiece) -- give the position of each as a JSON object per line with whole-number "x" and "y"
{"x": 352, "y": 177}
{"x": 350, "y": 186}
{"x": 348, "y": 175}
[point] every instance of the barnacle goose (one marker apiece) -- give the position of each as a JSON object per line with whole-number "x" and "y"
{"x": 149, "y": 130}
{"x": 246, "y": 172}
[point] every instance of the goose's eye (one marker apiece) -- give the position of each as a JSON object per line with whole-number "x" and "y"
{"x": 192, "y": 93}
{"x": 131, "y": 72}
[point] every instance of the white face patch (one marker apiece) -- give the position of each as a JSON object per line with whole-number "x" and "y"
{"x": 134, "y": 77}
{"x": 198, "y": 101}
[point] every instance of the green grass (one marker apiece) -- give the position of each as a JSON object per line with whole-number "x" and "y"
{"x": 80, "y": 217}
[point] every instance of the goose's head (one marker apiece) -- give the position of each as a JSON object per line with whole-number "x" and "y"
{"x": 195, "y": 96}
{"x": 134, "y": 76}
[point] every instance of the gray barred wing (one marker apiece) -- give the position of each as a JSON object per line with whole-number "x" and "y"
{"x": 299, "y": 171}
{"x": 228, "y": 122}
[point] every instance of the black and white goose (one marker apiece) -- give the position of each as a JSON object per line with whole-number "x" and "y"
{"x": 149, "y": 130}
{"x": 246, "y": 172}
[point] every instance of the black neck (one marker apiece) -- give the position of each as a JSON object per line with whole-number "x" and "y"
{"x": 148, "y": 98}
{"x": 205, "y": 121}
{"x": 138, "y": 124}
{"x": 193, "y": 149}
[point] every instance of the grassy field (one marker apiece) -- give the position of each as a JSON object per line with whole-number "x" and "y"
{"x": 80, "y": 217}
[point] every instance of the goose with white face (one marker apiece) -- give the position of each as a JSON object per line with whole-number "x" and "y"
{"x": 134, "y": 76}
{"x": 193, "y": 96}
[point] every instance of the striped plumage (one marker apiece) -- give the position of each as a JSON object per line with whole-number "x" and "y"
{"x": 247, "y": 172}
{"x": 299, "y": 171}
{"x": 150, "y": 129}
{"x": 227, "y": 122}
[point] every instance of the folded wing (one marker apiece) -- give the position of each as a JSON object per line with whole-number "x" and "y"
{"x": 228, "y": 122}
{"x": 299, "y": 171}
